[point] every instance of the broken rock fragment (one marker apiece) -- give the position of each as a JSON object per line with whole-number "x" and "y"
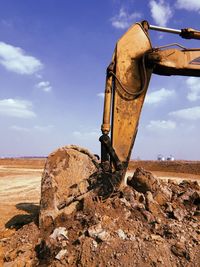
{"x": 61, "y": 254}
{"x": 154, "y": 207}
{"x": 143, "y": 181}
{"x": 59, "y": 233}
{"x": 96, "y": 231}
{"x": 179, "y": 250}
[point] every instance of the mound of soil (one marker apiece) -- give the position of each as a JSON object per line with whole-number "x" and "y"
{"x": 145, "y": 223}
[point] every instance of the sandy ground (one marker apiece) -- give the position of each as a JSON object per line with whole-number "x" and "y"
{"x": 20, "y": 190}
{"x": 19, "y": 195}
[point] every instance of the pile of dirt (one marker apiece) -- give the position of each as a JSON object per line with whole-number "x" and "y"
{"x": 146, "y": 223}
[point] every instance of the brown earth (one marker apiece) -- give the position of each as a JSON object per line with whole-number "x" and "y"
{"x": 177, "y": 166}
{"x": 33, "y": 163}
{"x": 117, "y": 232}
{"x": 19, "y": 192}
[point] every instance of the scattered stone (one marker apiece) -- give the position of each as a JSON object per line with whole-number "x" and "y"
{"x": 148, "y": 216}
{"x": 168, "y": 207}
{"x": 94, "y": 245}
{"x": 179, "y": 214}
{"x": 98, "y": 232}
{"x": 61, "y": 254}
{"x": 121, "y": 234}
{"x": 143, "y": 181}
{"x": 179, "y": 250}
{"x": 59, "y": 234}
{"x": 163, "y": 195}
{"x": 71, "y": 208}
{"x": 154, "y": 207}
{"x": 157, "y": 238}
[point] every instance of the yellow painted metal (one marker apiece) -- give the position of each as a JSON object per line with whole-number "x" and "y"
{"x": 176, "y": 61}
{"x": 129, "y": 89}
{"x": 127, "y": 80}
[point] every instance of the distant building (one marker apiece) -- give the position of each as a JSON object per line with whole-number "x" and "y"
{"x": 170, "y": 158}
{"x": 160, "y": 157}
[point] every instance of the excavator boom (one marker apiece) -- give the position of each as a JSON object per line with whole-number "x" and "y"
{"x": 185, "y": 62}
{"x": 128, "y": 76}
{"x": 126, "y": 85}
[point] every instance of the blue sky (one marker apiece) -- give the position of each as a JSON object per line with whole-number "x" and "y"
{"x": 53, "y": 59}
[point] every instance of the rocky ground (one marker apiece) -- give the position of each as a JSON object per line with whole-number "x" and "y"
{"x": 152, "y": 226}
{"x": 147, "y": 222}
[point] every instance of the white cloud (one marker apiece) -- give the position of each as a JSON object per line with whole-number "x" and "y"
{"x": 156, "y": 125}
{"x": 44, "y": 85}
{"x": 123, "y": 20}
{"x": 159, "y": 96}
{"x": 188, "y": 113}
{"x": 14, "y": 59}
{"x": 190, "y": 5}
{"x": 101, "y": 95}
{"x": 16, "y": 108}
{"x": 160, "y": 12}
{"x": 193, "y": 84}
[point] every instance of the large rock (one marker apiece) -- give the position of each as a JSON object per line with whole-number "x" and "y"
{"x": 65, "y": 168}
{"x": 154, "y": 207}
{"x": 143, "y": 181}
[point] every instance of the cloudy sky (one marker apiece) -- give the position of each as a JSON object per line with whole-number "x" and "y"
{"x": 53, "y": 57}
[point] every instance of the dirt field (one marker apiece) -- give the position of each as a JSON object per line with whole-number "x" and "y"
{"x": 20, "y": 191}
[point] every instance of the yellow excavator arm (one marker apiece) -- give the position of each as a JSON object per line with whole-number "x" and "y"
{"x": 128, "y": 76}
